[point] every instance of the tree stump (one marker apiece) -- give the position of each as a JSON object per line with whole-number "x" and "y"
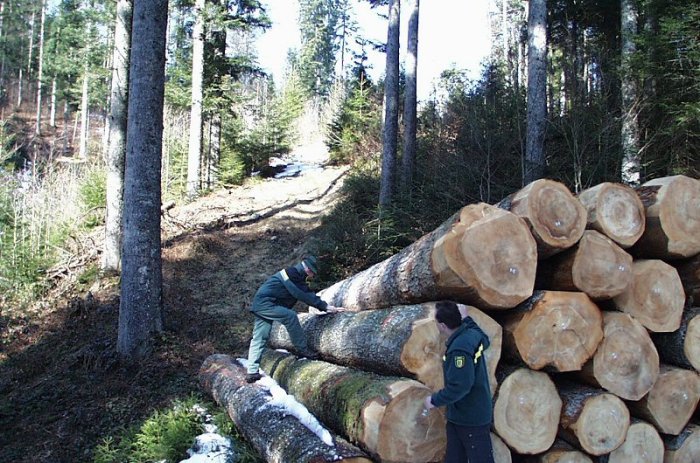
{"x": 616, "y": 211}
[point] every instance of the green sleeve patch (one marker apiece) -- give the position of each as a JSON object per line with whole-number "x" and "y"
{"x": 460, "y": 361}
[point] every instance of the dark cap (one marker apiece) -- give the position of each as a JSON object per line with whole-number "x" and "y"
{"x": 311, "y": 263}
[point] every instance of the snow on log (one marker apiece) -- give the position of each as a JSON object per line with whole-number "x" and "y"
{"x": 526, "y": 410}
{"x": 672, "y": 208}
{"x": 562, "y": 452}
{"x": 595, "y": 265}
{"x": 556, "y": 217}
{"x": 275, "y": 434}
{"x": 404, "y": 341}
{"x": 616, "y": 211}
{"x": 681, "y": 347}
{"x": 555, "y": 329}
{"x": 672, "y": 400}
{"x": 643, "y": 444}
{"x": 683, "y": 448}
{"x": 655, "y": 297}
{"x": 381, "y": 414}
{"x": 626, "y": 362}
{"x": 689, "y": 271}
{"x": 482, "y": 255}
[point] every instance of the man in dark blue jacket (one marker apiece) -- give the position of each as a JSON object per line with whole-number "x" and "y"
{"x": 466, "y": 394}
{"x": 273, "y": 303}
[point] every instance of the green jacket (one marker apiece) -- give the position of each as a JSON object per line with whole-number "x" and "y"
{"x": 466, "y": 394}
{"x": 285, "y": 288}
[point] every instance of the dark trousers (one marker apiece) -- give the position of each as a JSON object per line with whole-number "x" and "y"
{"x": 470, "y": 444}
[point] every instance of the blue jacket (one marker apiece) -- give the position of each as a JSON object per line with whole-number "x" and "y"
{"x": 285, "y": 288}
{"x": 466, "y": 394}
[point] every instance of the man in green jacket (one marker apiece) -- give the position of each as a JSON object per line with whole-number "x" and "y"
{"x": 466, "y": 394}
{"x": 273, "y": 302}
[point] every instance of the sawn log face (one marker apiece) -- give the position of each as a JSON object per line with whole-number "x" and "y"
{"x": 616, "y": 211}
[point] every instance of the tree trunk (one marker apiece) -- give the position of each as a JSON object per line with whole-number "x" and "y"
{"x": 536, "y": 91}
{"x": 391, "y": 103}
{"x": 278, "y": 436}
{"x": 410, "y": 103}
{"x": 681, "y": 347}
{"x": 526, "y": 410}
{"x": 214, "y": 151}
{"x": 140, "y": 311}
{"x": 655, "y": 296}
{"x": 194, "y": 153}
{"x": 689, "y": 272}
{"x": 117, "y": 137}
{"x": 626, "y": 362}
{"x": 616, "y": 211}
{"x": 672, "y": 400}
{"x": 556, "y": 218}
{"x": 643, "y": 444}
{"x": 40, "y": 73}
{"x": 684, "y": 448}
{"x": 555, "y": 329}
{"x": 595, "y": 265}
{"x": 631, "y": 159}
{"x": 84, "y": 109}
{"x": 672, "y": 208}
{"x": 52, "y": 117}
{"x": 591, "y": 419}
{"x": 561, "y": 452}
{"x": 382, "y": 414}
{"x": 482, "y": 256}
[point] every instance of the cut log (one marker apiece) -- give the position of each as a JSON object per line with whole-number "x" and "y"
{"x": 501, "y": 452}
{"x": 655, "y": 297}
{"x": 616, "y": 211}
{"x": 561, "y": 452}
{"x": 556, "y": 329}
{"x": 495, "y": 333}
{"x": 642, "y": 445}
{"x": 683, "y": 448}
{"x": 682, "y": 347}
{"x": 672, "y": 208}
{"x": 526, "y": 410}
{"x": 626, "y": 362}
{"x": 275, "y": 434}
{"x": 595, "y": 265}
{"x": 556, "y": 217}
{"x": 405, "y": 341}
{"x": 381, "y": 414}
{"x": 483, "y": 256}
{"x": 689, "y": 271}
{"x": 592, "y": 419}
{"x": 672, "y": 400}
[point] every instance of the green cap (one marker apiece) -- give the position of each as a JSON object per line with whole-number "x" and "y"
{"x": 311, "y": 263}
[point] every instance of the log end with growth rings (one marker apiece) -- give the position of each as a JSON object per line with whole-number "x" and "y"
{"x": 616, "y": 211}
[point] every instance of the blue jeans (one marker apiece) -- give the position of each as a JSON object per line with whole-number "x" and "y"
{"x": 468, "y": 444}
{"x": 265, "y": 314}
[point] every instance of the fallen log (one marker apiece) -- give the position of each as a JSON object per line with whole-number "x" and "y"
{"x": 381, "y": 414}
{"x": 482, "y": 255}
{"x": 278, "y": 436}
{"x": 689, "y": 272}
{"x": 672, "y": 209}
{"x": 556, "y": 329}
{"x": 595, "y": 265}
{"x": 556, "y": 217}
{"x": 592, "y": 419}
{"x": 672, "y": 400}
{"x": 526, "y": 410}
{"x": 683, "y": 448}
{"x": 655, "y": 297}
{"x": 626, "y": 362}
{"x": 642, "y": 445}
{"x": 562, "y": 452}
{"x": 616, "y": 211}
{"x": 681, "y": 347}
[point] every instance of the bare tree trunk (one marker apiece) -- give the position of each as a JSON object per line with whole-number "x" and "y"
{"x": 195, "y": 144}
{"x": 536, "y": 91}
{"x": 391, "y": 106}
{"x": 631, "y": 161}
{"x": 410, "y": 103}
{"x": 84, "y": 110}
{"x": 52, "y": 117}
{"x": 19, "y": 89}
{"x": 40, "y": 75}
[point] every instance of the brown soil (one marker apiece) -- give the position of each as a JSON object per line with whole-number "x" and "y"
{"x": 62, "y": 386}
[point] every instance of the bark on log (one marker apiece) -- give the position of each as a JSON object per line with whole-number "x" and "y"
{"x": 592, "y": 419}
{"x": 561, "y": 452}
{"x": 689, "y": 271}
{"x": 403, "y": 341}
{"x": 482, "y": 256}
{"x": 655, "y": 297}
{"x": 526, "y": 410}
{"x": 672, "y": 208}
{"x": 381, "y": 414}
{"x": 595, "y": 265}
{"x": 643, "y": 444}
{"x": 556, "y": 217}
{"x": 276, "y": 435}
{"x": 501, "y": 452}
{"x": 616, "y": 211}
{"x": 555, "y": 329}
{"x": 681, "y": 347}
{"x": 672, "y": 400}
{"x": 683, "y": 448}
{"x": 626, "y": 362}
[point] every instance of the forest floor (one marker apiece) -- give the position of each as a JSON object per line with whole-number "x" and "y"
{"x": 62, "y": 386}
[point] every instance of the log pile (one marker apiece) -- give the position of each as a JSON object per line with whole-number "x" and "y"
{"x": 591, "y": 305}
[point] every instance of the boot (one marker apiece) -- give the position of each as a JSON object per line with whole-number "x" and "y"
{"x": 252, "y": 377}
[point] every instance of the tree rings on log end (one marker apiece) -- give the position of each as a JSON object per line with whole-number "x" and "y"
{"x": 601, "y": 268}
{"x": 602, "y": 424}
{"x": 616, "y": 211}
{"x": 642, "y": 445}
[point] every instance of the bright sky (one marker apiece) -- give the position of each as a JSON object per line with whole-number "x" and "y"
{"x": 451, "y": 33}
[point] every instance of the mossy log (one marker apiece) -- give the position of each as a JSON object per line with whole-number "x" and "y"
{"x": 400, "y": 341}
{"x": 655, "y": 297}
{"x": 555, "y": 329}
{"x": 683, "y": 448}
{"x": 595, "y": 265}
{"x": 616, "y": 211}
{"x": 681, "y": 347}
{"x": 556, "y": 217}
{"x": 642, "y": 444}
{"x": 482, "y": 255}
{"x": 672, "y": 209}
{"x": 381, "y": 414}
{"x": 562, "y": 452}
{"x": 626, "y": 362}
{"x": 526, "y": 409}
{"x": 689, "y": 271}
{"x": 276, "y": 435}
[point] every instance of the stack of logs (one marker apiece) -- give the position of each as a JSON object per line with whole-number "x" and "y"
{"x": 587, "y": 300}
